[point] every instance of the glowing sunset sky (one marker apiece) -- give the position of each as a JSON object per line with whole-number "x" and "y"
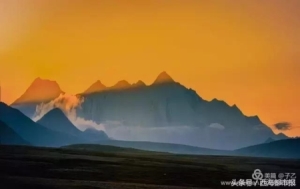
{"x": 244, "y": 52}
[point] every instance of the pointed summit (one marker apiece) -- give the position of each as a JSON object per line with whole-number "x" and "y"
{"x": 56, "y": 120}
{"x": 139, "y": 84}
{"x": 163, "y": 78}
{"x": 123, "y": 84}
{"x": 56, "y": 112}
{"x": 95, "y": 87}
{"x": 254, "y": 120}
{"x": 40, "y": 90}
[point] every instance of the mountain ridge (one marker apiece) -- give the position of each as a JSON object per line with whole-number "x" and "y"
{"x": 171, "y": 104}
{"x": 95, "y": 87}
{"x": 167, "y": 104}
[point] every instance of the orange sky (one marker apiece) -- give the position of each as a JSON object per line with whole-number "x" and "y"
{"x": 244, "y": 52}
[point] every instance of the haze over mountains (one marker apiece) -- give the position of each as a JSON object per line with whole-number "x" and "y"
{"x": 56, "y": 120}
{"x": 287, "y": 148}
{"x": 55, "y": 130}
{"x": 164, "y": 111}
{"x": 52, "y": 130}
{"x": 32, "y": 132}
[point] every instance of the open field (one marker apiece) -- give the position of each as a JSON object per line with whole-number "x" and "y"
{"x": 117, "y": 168}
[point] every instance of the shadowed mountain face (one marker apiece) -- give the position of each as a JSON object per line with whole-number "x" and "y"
{"x": 9, "y": 137}
{"x": 56, "y": 120}
{"x": 95, "y": 87}
{"x": 94, "y": 134}
{"x": 168, "y": 112}
{"x": 32, "y": 132}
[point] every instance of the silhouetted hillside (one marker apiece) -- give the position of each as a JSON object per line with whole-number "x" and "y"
{"x": 56, "y": 120}
{"x": 104, "y": 148}
{"x": 164, "y": 147}
{"x": 32, "y": 132}
{"x": 95, "y": 135}
{"x": 9, "y": 136}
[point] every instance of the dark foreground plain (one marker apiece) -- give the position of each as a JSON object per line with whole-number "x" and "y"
{"x": 117, "y": 168}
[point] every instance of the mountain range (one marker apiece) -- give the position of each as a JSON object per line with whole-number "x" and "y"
{"x": 54, "y": 129}
{"x": 164, "y": 111}
{"x": 167, "y": 111}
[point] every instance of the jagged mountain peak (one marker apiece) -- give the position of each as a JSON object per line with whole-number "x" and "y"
{"x": 56, "y": 120}
{"x": 140, "y": 83}
{"x": 98, "y": 82}
{"x": 95, "y": 87}
{"x": 163, "y": 77}
{"x": 218, "y": 101}
{"x": 123, "y": 84}
{"x": 55, "y": 112}
{"x": 255, "y": 120}
{"x": 236, "y": 108}
{"x": 40, "y": 81}
{"x": 281, "y": 136}
{"x": 40, "y": 90}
